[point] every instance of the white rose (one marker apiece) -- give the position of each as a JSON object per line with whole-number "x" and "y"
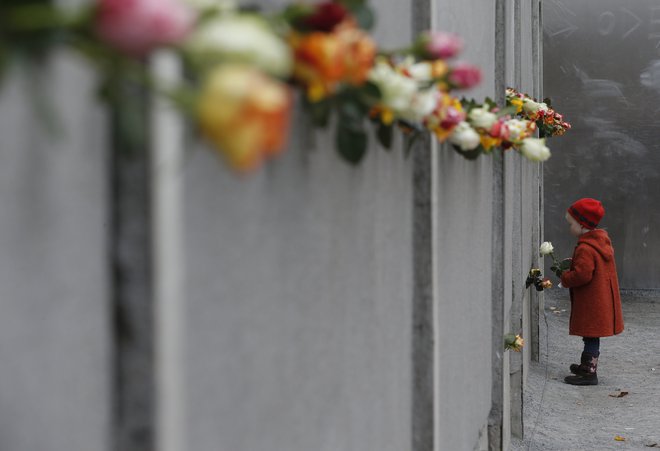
{"x": 535, "y": 149}
{"x": 482, "y": 118}
{"x": 421, "y": 71}
{"x": 241, "y": 38}
{"x": 517, "y": 128}
{"x": 397, "y": 90}
{"x": 421, "y": 105}
{"x": 401, "y": 93}
{"x": 530, "y": 106}
{"x": 546, "y": 248}
{"x": 465, "y": 137}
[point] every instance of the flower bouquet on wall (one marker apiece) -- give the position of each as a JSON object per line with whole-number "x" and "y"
{"x": 488, "y": 127}
{"x": 548, "y": 121}
{"x": 245, "y": 65}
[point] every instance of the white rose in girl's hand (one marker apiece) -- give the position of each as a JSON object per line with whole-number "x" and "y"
{"x": 546, "y": 248}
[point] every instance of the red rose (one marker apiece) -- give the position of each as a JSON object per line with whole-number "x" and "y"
{"x": 452, "y": 118}
{"x": 326, "y": 17}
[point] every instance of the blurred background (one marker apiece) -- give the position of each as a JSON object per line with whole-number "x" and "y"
{"x": 602, "y": 69}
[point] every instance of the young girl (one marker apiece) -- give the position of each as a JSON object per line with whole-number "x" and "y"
{"x": 594, "y": 287}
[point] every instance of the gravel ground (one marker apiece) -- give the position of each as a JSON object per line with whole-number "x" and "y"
{"x": 568, "y": 418}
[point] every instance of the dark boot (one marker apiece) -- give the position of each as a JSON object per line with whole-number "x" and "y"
{"x": 587, "y": 371}
{"x": 583, "y": 368}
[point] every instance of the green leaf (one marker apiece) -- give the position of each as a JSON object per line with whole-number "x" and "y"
{"x": 468, "y": 104}
{"x": 370, "y": 93}
{"x": 351, "y": 142}
{"x": 365, "y": 17}
{"x": 510, "y": 110}
{"x": 491, "y": 103}
{"x": 294, "y": 13}
{"x": 469, "y": 154}
{"x": 350, "y": 109}
{"x": 354, "y": 100}
{"x": 319, "y": 112}
{"x": 352, "y": 4}
{"x": 385, "y": 134}
{"x": 361, "y": 11}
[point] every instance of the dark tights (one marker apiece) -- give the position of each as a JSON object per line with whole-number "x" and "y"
{"x": 592, "y": 345}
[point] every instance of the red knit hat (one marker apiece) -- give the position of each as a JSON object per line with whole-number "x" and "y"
{"x": 588, "y": 212}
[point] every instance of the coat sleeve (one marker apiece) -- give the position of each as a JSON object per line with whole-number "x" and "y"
{"x": 583, "y": 269}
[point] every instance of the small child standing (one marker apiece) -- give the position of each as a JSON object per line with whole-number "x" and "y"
{"x": 594, "y": 288}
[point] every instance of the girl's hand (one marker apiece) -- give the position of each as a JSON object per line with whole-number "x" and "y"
{"x": 562, "y": 266}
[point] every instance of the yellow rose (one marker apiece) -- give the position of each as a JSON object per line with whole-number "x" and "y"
{"x": 245, "y": 114}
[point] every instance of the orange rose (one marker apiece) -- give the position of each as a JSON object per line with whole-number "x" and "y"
{"x": 319, "y": 63}
{"x": 324, "y": 60}
{"x": 359, "y": 53}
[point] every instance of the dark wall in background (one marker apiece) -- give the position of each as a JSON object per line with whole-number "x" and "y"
{"x": 602, "y": 70}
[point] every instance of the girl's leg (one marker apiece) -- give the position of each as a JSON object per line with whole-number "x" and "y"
{"x": 592, "y": 345}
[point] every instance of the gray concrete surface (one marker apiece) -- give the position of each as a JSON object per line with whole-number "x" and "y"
{"x": 463, "y": 247}
{"x": 573, "y": 418}
{"x": 54, "y": 327}
{"x": 298, "y": 306}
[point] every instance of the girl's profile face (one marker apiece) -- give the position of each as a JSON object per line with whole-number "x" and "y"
{"x": 574, "y": 227}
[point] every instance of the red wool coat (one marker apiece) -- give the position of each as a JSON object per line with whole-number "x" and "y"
{"x": 594, "y": 286}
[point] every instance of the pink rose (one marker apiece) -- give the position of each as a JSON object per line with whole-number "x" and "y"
{"x": 465, "y": 76}
{"x": 452, "y": 118}
{"x": 137, "y": 27}
{"x": 500, "y": 129}
{"x": 443, "y": 45}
